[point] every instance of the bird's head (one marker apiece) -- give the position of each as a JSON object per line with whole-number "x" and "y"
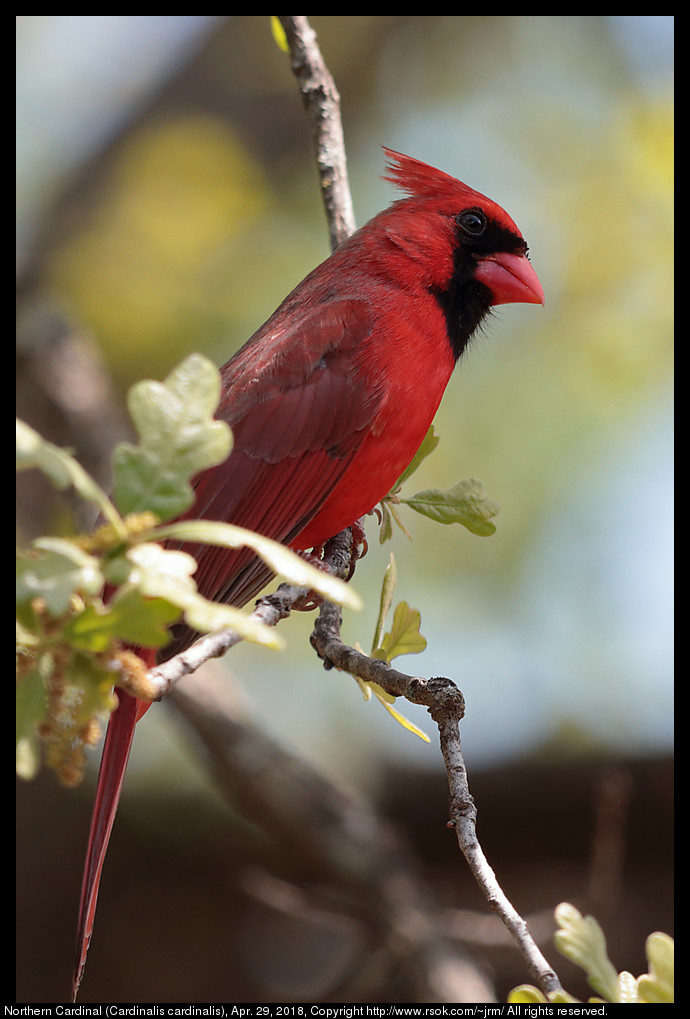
{"x": 446, "y": 218}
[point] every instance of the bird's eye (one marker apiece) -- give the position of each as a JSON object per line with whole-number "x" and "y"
{"x": 472, "y": 221}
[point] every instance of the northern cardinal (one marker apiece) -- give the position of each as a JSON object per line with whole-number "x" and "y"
{"x": 329, "y": 401}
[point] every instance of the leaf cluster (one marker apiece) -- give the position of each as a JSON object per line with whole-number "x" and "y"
{"x": 465, "y": 503}
{"x": 84, "y": 602}
{"x": 581, "y": 939}
{"x": 403, "y": 638}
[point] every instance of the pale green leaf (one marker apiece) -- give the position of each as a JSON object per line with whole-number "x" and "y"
{"x": 404, "y": 722}
{"x": 386, "y": 526}
{"x": 627, "y": 989}
{"x": 129, "y": 616}
{"x": 27, "y": 757}
{"x": 59, "y": 571}
{"x": 563, "y": 998}
{"x": 364, "y": 687}
{"x": 281, "y": 559}
{"x": 178, "y": 438}
{"x": 581, "y": 939}
{"x": 387, "y": 590}
{"x": 429, "y": 444}
{"x": 63, "y": 470}
{"x": 404, "y": 637}
{"x": 160, "y": 570}
{"x": 31, "y": 709}
{"x": 657, "y": 986}
{"x": 526, "y": 994}
{"x": 167, "y": 573}
{"x": 25, "y": 637}
{"x": 207, "y": 616}
{"x": 33, "y": 451}
{"x": 466, "y": 503}
{"x": 388, "y": 700}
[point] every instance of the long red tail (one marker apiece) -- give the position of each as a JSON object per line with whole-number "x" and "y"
{"x": 116, "y": 748}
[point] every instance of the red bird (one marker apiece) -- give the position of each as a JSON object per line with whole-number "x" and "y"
{"x": 329, "y": 401}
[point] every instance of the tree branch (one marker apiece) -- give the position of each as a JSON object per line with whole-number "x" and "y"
{"x": 340, "y": 555}
{"x": 446, "y": 705}
{"x": 322, "y": 105}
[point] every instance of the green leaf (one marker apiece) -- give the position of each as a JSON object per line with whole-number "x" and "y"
{"x": 33, "y": 451}
{"x": 26, "y": 639}
{"x": 387, "y": 590}
{"x": 166, "y": 573}
{"x": 27, "y": 757}
{"x": 429, "y": 444}
{"x": 388, "y": 702}
{"x": 581, "y": 939}
{"x": 657, "y": 986}
{"x": 31, "y": 709}
{"x": 63, "y": 470}
{"x": 129, "y": 616}
{"x": 282, "y": 560}
{"x": 387, "y": 506}
{"x": 627, "y": 989}
{"x": 404, "y": 637}
{"x": 61, "y": 571}
{"x": 279, "y": 35}
{"x": 386, "y": 526}
{"x": 207, "y": 616}
{"x": 95, "y": 686}
{"x": 526, "y": 994}
{"x": 178, "y": 438}
{"x": 160, "y": 572}
{"x": 466, "y": 503}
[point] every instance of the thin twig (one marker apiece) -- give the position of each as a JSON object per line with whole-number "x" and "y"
{"x": 322, "y": 105}
{"x": 339, "y": 556}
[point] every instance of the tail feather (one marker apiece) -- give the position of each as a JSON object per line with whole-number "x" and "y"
{"x": 118, "y": 743}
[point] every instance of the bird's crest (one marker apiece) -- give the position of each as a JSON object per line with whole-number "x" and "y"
{"x": 423, "y": 181}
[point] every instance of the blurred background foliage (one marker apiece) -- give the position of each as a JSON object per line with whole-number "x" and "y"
{"x": 167, "y": 201}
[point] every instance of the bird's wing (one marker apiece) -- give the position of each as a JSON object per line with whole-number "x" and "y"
{"x": 299, "y": 408}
